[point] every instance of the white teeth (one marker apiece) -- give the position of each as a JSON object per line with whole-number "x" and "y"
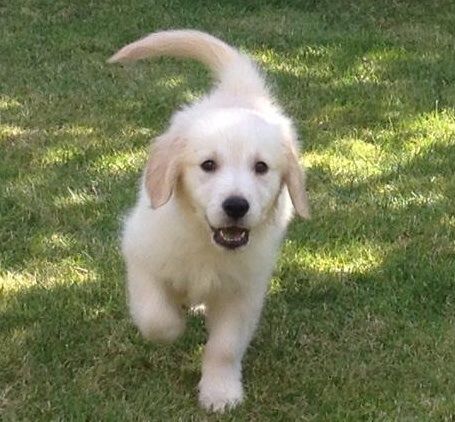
{"x": 228, "y": 237}
{"x": 232, "y": 237}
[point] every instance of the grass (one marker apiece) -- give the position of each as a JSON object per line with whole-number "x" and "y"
{"x": 359, "y": 322}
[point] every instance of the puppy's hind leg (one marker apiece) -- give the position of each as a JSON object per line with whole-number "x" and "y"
{"x": 153, "y": 311}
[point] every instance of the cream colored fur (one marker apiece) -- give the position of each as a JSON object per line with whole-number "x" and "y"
{"x": 170, "y": 254}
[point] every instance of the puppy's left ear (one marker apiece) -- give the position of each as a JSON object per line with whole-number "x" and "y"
{"x": 295, "y": 181}
{"x": 163, "y": 168}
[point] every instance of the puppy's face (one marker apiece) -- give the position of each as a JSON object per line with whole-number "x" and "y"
{"x": 232, "y": 166}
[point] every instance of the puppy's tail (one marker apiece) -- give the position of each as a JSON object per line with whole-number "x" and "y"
{"x": 233, "y": 70}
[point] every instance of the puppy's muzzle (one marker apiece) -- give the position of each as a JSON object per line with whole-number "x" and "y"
{"x": 233, "y": 236}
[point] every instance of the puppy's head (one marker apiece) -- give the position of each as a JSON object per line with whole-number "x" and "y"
{"x": 231, "y": 167}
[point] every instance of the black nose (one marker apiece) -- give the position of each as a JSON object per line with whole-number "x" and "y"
{"x": 236, "y": 207}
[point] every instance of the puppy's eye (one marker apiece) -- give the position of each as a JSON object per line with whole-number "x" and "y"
{"x": 260, "y": 167}
{"x": 208, "y": 166}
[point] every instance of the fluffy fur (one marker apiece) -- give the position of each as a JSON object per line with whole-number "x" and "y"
{"x": 169, "y": 245}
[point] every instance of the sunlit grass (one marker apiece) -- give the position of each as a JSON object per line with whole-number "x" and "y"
{"x": 8, "y": 103}
{"x": 8, "y": 131}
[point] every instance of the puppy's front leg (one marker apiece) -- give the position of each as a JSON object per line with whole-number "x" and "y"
{"x": 231, "y": 322}
{"x": 153, "y": 311}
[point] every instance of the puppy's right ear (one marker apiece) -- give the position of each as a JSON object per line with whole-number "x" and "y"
{"x": 163, "y": 168}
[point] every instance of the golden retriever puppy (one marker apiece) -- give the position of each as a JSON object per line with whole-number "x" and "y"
{"x": 212, "y": 209}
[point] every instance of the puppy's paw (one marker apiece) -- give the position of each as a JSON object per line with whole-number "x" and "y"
{"x": 163, "y": 327}
{"x": 220, "y": 394}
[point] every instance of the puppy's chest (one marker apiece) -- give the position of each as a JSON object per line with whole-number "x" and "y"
{"x": 193, "y": 278}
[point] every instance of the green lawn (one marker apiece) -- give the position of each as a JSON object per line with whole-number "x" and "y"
{"x": 360, "y": 319}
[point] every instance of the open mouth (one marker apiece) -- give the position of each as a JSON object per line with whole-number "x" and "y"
{"x": 231, "y": 237}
